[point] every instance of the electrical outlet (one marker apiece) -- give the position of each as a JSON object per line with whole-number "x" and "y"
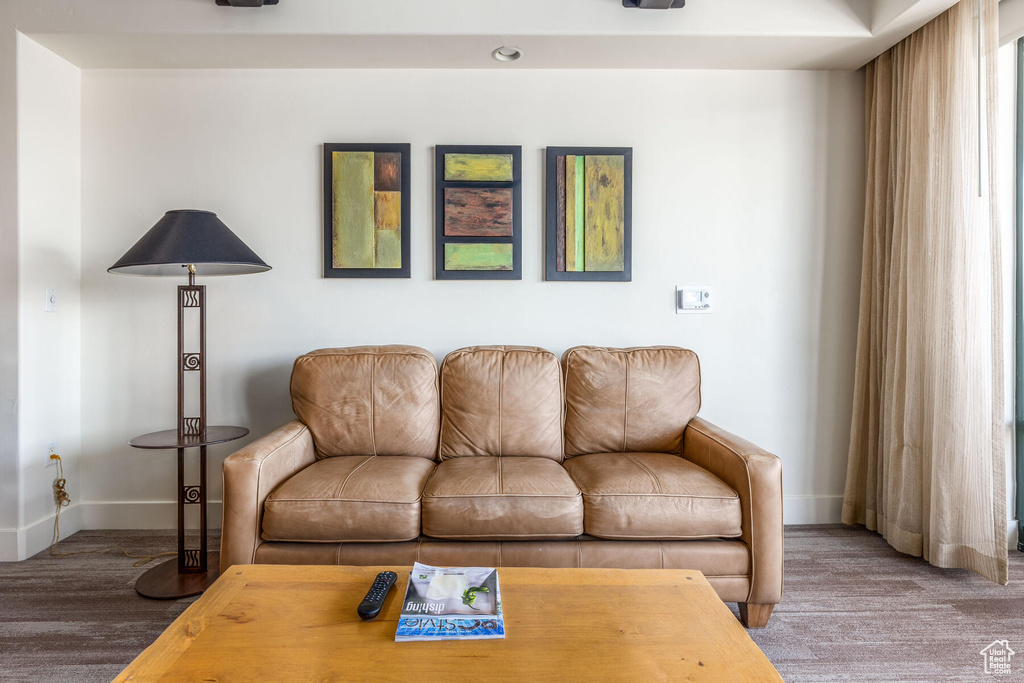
{"x": 51, "y": 449}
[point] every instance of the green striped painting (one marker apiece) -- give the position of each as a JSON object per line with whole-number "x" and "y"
{"x": 591, "y": 231}
{"x": 588, "y": 213}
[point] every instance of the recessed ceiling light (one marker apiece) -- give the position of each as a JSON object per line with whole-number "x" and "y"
{"x": 507, "y": 53}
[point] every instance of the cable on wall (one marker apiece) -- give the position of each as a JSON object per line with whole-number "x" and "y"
{"x": 62, "y": 499}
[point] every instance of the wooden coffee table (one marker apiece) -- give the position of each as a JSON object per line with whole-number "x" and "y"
{"x": 282, "y": 623}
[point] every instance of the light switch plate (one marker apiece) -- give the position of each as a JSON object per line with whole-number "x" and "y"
{"x": 51, "y": 300}
{"x": 694, "y": 299}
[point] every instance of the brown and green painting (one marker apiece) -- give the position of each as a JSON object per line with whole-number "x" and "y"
{"x": 478, "y": 212}
{"x": 589, "y": 230}
{"x": 366, "y": 210}
{"x": 477, "y": 218}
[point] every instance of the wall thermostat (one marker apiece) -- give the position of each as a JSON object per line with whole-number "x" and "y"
{"x": 694, "y": 299}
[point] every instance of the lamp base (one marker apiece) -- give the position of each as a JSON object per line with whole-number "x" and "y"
{"x": 163, "y": 582}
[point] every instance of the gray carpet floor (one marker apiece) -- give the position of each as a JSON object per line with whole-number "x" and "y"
{"x": 854, "y": 610}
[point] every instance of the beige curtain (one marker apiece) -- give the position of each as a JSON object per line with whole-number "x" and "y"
{"x": 927, "y": 459}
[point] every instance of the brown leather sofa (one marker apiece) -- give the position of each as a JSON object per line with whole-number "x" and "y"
{"x": 507, "y": 458}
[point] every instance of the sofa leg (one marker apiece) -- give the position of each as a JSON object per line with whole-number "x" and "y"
{"x": 755, "y": 616}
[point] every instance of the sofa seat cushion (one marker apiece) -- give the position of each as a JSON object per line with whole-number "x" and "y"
{"x": 653, "y": 496}
{"x": 349, "y": 498}
{"x": 490, "y": 498}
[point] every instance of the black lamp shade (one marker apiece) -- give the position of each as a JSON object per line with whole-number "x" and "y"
{"x": 188, "y": 236}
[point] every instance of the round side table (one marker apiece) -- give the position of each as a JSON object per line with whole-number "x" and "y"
{"x": 191, "y": 572}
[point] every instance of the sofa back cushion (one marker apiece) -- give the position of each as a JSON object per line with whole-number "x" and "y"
{"x": 501, "y": 401}
{"x": 368, "y": 400}
{"x": 629, "y": 400}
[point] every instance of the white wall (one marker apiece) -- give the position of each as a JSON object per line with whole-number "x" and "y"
{"x": 9, "y": 491}
{"x": 1011, "y": 20}
{"x": 49, "y": 202}
{"x": 747, "y": 181}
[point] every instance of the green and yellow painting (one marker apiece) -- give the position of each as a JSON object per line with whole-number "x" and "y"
{"x": 590, "y": 213}
{"x": 478, "y": 167}
{"x": 366, "y": 191}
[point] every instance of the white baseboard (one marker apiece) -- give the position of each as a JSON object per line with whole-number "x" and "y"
{"x": 23, "y": 543}
{"x": 11, "y": 540}
{"x": 154, "y": 514}
{"x": 812, "y": 509}
{"x": 829, "y": 510}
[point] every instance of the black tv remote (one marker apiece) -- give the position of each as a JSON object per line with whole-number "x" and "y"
{"x": 374, "y": 600}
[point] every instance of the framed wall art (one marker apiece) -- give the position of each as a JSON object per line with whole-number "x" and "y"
{"x": 477, "y": 212}
{"x": 588, "y": 206}
{"x": 366, "y": 210}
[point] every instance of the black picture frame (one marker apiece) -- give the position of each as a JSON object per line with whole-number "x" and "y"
{"x": 551, "y": 272}
{"x": 405, "y": 150}
{"x": 440, "y": 184}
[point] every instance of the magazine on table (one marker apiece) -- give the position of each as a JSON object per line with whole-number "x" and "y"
{"x": 451, "y": 603}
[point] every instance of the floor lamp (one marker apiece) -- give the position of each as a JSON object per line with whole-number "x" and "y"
{"x": 188, "y": 243}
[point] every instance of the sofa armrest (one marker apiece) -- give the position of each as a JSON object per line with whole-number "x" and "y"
{"x": 756, "y": 475}
{"x": 249, "y": 476}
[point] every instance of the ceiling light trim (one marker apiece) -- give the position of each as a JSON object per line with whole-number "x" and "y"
{"x": 507, "y": 53}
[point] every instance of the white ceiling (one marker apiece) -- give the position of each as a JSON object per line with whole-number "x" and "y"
{"x": 722, "y": 34}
